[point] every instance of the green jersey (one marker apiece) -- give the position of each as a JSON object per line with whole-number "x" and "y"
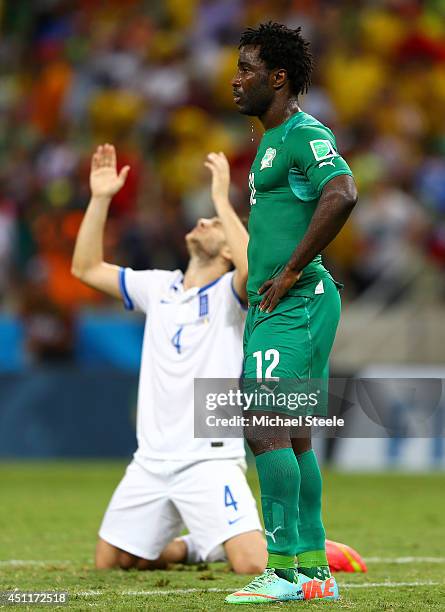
{"x": 294, "y": 162}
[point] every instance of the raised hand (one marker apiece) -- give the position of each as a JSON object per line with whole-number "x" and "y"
{"x": 104, "y": 179}
{"x": 219, "y": 167}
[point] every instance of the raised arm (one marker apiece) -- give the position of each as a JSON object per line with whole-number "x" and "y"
{"x": 338, "y": 198}
{"x": 88, "y": 264}
{"x": 236, "y": 234}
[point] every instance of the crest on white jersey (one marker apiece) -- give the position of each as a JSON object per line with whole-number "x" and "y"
{"x": 268, "y": 158}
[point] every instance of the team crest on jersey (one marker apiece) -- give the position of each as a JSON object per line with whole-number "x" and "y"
{"x": 323, "y": 150}
{"x": 203, "y": 305}
{"x": 268, "y": 158}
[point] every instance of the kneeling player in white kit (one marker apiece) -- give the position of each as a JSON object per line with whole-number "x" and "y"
{"x": 193, "y": 330}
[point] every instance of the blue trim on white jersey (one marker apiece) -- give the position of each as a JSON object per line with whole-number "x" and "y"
{"x": 128, "y": 302}
{"x": 237, "y": 297}
{"x": 209, "y": 285}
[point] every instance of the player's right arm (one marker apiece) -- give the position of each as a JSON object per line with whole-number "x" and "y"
{"x": 88, "y": 264}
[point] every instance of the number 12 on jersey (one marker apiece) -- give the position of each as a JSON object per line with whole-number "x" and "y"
{"x": 272, "y": 356}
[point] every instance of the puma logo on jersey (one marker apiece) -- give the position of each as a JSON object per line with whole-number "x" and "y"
{"x": 270, "y": 389}
{"x": 271, "y": 534}
{"x": 268, "y": 158}
{"x": 331, "y": 162}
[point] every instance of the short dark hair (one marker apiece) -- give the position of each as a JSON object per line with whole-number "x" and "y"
{"x": 281, "y": 47}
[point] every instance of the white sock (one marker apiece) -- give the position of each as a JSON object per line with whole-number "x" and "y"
{"x": 193, "y": 555}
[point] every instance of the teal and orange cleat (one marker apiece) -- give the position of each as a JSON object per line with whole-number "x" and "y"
{"x": 313, "y": 588}
{"x": 267, "y": 588}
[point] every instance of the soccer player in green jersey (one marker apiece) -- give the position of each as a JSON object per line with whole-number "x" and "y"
{"x": 301, "y": 194}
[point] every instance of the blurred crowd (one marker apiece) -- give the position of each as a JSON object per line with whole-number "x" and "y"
{"x": 153, "y": 77}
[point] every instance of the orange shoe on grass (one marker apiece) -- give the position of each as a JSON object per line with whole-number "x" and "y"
{"x": 343, "y": 558}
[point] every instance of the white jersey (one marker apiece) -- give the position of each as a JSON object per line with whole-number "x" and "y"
{"x": 188, "y": 334}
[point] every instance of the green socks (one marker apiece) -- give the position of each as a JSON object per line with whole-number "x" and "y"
{"x": 314, "y": 564}
{"x": 279, "y": 477}
{"x": 291, "y": 504}
{"x": 311, "y": 551}
{"x": 310, "y": 527}
{"x": 283, "y": 565}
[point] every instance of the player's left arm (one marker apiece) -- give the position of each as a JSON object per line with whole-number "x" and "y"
{"x": 234, "y": 230}
{"x": 338, "y": 198}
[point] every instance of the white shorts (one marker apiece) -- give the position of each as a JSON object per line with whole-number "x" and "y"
{"x": 210, "y": 498}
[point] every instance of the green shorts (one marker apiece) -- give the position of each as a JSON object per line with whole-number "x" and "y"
{"x": 287, "y": 350}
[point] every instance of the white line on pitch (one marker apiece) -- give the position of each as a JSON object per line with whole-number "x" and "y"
{"x": 26, "y": 562}
{"x": 365, "y": 585}
{"x": 389, "y": 560}
{"x": 401, "y": 560}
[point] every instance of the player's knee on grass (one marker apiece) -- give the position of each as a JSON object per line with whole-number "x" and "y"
{"x": 119, "y": 560}
{"x": 107, "y": 555}
{"x": 127, "y": 561}
{"x": 247, "y": 553}
{"x": 176, "y": 551}
{"x": 111, "y": 557}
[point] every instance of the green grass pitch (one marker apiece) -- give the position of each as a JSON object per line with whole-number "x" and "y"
{"x": 50, "y": 512}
